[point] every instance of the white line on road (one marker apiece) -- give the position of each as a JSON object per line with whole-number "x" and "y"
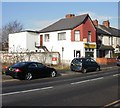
{"x": 80, "y": 82}
{"x": 25, "y": 91}
{"x": 87, "y": 80}
{"x": 115, "y": 75}
{"x": 96, "y": 79}
{"x": 115, "y": 102}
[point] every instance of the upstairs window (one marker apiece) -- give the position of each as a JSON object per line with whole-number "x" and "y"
{"x": 77, "y": 35}
{"x": 47, "y": 38}
{"x": 62, "y": 36}
{"x": 110, "y": 40}
{"x": 89, "y": 36}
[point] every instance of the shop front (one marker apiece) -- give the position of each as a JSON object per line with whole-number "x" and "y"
{"x": 90, "y": 50}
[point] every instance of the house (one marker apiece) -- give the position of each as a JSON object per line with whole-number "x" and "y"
{"x": 72, "y": 36}
{"x": 23, "y": 41}
{"x": 108, "y": 39}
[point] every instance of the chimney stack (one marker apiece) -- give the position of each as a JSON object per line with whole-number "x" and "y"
{"x": 70, "y": 15}
{"x": 106, "y": 23}
{"x": 95, "y": 22}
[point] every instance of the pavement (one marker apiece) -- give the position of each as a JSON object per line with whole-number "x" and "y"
{"x": 62, "y": 72}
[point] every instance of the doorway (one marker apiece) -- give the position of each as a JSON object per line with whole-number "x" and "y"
{"x": 77, "y": 53}
{"x": 41, "y": 40}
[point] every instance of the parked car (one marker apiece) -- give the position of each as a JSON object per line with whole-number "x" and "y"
{"x": 118, "y": 61}
{"x": 30, "y": 70}
{"x": 4, "y": 69}
{"x": 84, "y": 65}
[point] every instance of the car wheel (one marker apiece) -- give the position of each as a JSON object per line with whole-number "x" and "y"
{"x": 71, "y": 69}
{"x": 28, "y": 76}
{"x": 84, "y": 70}
{"x": 53, "y": 74}
{"x": 98, "y": 69}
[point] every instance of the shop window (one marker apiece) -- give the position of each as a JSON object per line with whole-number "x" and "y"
{"x": 89, "y": 54}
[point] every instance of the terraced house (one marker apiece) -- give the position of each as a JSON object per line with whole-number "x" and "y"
{"x": 73, "y": 36}
{"x": 108, "y": 39}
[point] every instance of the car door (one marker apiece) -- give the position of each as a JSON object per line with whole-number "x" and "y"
{"x": 33, "y": 68}
{"x": 78, "y": 65}
{"x": 87, "y": 64}
{"x": 93, "y": 64}
{"x": 42, "y": 70}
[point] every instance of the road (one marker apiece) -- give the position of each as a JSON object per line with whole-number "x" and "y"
{"x": 90, "y": 89}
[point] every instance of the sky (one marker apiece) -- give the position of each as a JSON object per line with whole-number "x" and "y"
{"x": 38, "y": 15}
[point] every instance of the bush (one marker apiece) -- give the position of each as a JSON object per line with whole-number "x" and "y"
{"x": 116, "y": 54}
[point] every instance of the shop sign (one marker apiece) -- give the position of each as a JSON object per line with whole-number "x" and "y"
{"x": 89, "y": 45}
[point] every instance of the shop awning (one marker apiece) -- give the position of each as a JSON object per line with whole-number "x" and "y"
{"x": 105, "y": 47}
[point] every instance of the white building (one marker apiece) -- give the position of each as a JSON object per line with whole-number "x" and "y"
{"x": 23, "y": 41}
{"x": 72, "y": 36}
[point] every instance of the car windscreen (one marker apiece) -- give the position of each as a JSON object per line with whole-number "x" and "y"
{"x": 19, "y": 64}
{"x": 79, "y": 60}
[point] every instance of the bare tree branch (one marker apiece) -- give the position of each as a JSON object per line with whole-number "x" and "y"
{"x": 11, "y": 27}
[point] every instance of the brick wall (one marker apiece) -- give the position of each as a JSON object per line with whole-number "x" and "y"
{"x": 106, "y": 60}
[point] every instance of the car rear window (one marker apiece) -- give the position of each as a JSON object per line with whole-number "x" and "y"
{"x": 78, "y": 60}
{"x": 20, "y": 64}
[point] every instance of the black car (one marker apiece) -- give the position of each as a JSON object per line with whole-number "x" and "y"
{"x": 30, "y": 70}
{"x": 118, "y": 61}
{"x": 84, "y": 65}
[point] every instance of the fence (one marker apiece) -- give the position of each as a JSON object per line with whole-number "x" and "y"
{"x": 42, "y": 57}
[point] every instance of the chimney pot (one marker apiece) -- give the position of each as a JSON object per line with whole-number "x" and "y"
{"x": 70, "y": 15}
{"x": 95, "y": 22}
{"x": 106, "y": 23}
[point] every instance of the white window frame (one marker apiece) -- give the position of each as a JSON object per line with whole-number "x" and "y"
{"x": 77, "y": 35}
{"x": 111, "y": 40}
{"x": 47, "y": 38}
{"x": 61, "y": 36}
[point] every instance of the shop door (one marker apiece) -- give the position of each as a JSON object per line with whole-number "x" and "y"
{"x": 89, "y": 54}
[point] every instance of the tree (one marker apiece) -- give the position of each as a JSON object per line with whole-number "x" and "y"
{"x": 11, "y": 27}
{"x": 0, "y": 39}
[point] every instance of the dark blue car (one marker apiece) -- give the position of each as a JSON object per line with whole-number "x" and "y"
{"x": 84, "y": 65}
